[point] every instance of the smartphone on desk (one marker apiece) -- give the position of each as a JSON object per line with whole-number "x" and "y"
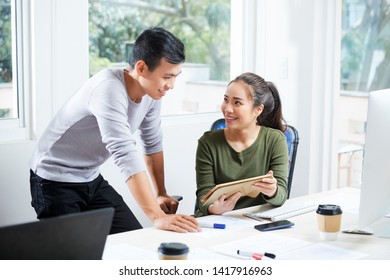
{"x": 274, "y": 225}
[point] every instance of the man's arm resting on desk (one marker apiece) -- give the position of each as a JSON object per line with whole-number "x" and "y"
{"x": 140, "y": 187}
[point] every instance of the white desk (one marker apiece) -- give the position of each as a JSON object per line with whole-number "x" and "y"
{"x": 299, "y": 242}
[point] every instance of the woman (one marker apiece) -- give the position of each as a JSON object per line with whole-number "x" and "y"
{"x": 252, "y": 144}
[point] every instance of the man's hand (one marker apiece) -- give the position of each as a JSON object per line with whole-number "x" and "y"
{"x": 140, "y": 188}
{"x": 178, "y": 223}
{"x": 168, "y": 204}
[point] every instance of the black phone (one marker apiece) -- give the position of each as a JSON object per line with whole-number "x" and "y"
{"x": 177, "y": 197}
{"x": 274, "y": 225}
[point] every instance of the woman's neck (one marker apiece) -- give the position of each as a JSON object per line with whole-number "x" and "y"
{"x": 241, "y": 139}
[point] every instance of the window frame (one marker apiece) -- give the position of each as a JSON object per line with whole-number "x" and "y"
{"x": 14, "y": 129}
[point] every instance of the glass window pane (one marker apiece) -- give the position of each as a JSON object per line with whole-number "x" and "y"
{"x": 8, "y": 94}
{"x": 365, "y": 45}
{"x": 203, "y": 26}
{"x": 365, "y": 67}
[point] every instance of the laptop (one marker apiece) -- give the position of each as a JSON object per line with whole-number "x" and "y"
{"x": 78, "y": 236}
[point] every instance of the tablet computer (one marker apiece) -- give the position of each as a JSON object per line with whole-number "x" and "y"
{"x": 244, "y": 186}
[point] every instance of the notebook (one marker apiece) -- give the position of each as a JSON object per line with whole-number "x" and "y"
{"x": 78, "y": 236}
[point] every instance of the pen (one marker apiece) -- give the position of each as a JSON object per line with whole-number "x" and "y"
{"x": 212, "y": 225}
{"x": 256, "y": 256}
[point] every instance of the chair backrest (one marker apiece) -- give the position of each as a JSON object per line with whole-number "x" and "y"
{"x": 218, "y": 124}
{"x": 292, "y": 138}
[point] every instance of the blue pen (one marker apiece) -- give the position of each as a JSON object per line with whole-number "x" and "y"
{"x": 212, "y": 225}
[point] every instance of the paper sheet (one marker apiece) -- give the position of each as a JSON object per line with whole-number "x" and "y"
{"x": 287, "y": 248}
{"x": 128, "y": 252}
{"x": 232, "y": 224}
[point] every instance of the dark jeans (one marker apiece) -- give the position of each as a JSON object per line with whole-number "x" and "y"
{"x": 50, "y": 199}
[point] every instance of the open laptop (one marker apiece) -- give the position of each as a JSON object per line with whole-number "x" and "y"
{"x": 78, "y": 236}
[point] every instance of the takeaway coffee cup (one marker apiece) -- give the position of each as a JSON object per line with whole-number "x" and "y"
{"x": 329, "y": 221}
{"x": 173, "y": 251}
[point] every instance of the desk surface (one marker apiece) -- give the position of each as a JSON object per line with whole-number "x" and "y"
{"x": 299, "y": 242}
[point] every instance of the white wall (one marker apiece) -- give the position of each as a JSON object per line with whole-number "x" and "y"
{"x": 295, "y": 31}
{"x": 301, "y": 57}
{"x": 59, "y": 53}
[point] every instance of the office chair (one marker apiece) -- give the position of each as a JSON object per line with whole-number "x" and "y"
{"x": 218, "y": 124}
{"x": 292, "y": 138}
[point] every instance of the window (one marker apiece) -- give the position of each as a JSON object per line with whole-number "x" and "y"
{"x": 365, "y": 67}
{"x": 203, "y": 26}
{"x": 11, "y": 95}
{"x": 8, "y": 94}
{"x": 365, "y": 49}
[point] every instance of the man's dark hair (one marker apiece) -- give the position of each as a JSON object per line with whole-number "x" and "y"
{"x": 154, "y": 44}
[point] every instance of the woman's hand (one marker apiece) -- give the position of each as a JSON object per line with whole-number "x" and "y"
{"x": 223, "y": 205}
{"x": 268, "y": 186}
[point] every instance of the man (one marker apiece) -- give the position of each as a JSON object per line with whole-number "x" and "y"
{"x": 99, "y": 121}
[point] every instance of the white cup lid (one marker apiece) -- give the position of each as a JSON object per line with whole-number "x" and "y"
{"x": 328, "y": 235}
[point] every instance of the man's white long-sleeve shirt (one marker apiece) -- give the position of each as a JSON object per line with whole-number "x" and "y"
{"x": 97, "y": 122}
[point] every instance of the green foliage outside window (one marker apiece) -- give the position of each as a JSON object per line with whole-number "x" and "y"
{"x": 365, "y": 45}
{"x": 5, "y": 42}
{"x": 202, "y": 25}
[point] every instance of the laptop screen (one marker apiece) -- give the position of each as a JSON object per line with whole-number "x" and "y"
{"x": 78, "y": 236}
